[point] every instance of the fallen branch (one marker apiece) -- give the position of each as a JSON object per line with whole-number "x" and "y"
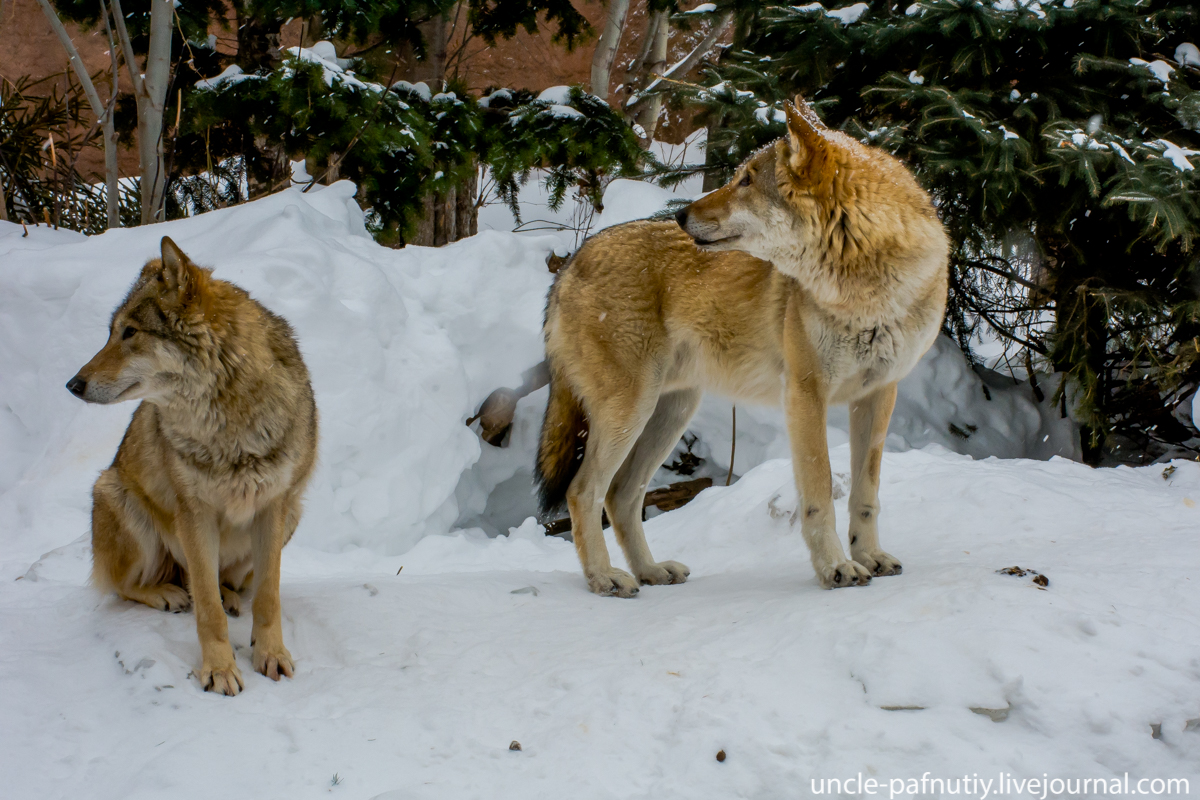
{"x": 667, "y": 498}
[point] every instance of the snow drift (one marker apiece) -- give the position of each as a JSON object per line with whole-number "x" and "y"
{"x": 425, "y": 646}
{"x": 402, "y": 346}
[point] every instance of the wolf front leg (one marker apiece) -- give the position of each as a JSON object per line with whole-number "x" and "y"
{"x": 869, "y": 417}
{"x": 201, "y": 539}
{"x": 804, "y": 401}
{"x": 271, "y": 658}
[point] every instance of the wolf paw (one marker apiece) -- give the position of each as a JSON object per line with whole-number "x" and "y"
{"x": 664, "y": 572}
{"x": 275, "y": 663}
{"x": 167, "y": 597}
{"x": 847, "y": 573}
{"x": 226, "y": 679}
{"x": 613, "y": 582}
{"x": 879, "y": 563}
{"x": 231, "y": 601}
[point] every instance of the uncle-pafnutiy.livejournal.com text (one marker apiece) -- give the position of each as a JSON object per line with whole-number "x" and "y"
{"x": 1001, "y": 784}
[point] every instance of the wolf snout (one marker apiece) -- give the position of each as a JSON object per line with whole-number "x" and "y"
{"x": 77, "y": 386}
{"x": 681, "y": 217}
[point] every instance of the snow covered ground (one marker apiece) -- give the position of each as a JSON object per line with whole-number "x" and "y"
{"x": 412, "y": 683}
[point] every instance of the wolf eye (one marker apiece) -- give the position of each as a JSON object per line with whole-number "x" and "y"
{"x": 128, "y": 332}
{"x": 745, "y": 181}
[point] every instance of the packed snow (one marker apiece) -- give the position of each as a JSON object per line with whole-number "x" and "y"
{"x": 433, "y": 623}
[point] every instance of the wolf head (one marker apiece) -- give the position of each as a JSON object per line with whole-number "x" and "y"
{"x": 153, "y": 336}
{"x": 789, "y": 200}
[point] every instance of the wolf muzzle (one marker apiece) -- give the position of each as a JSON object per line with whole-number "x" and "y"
{"x": 77, "y": 386}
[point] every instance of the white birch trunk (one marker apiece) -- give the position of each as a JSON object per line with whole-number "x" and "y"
{"x": 606, "y": 48}
{"x": 151, "y": 105}
{"x": 684, "y": 65}
{"x": 657, "y": 64}
{"x": 647, "y": 42}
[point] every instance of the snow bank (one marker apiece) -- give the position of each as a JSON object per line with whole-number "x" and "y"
{"x": 402, "y": 346}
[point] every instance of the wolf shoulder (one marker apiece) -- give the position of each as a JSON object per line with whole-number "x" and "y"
{"x": 658, "y": 255}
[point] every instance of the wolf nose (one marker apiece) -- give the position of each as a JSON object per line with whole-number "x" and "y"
{"x": 77, "y": 386}
{"x": 681, "y": 217}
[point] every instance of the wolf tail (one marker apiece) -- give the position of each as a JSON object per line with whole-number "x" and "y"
{"x": 561, "y": 449}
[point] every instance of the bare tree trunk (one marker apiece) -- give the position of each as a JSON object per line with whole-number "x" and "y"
{"x": 151, "y": 105}
{"x": 712, "y": 179}
{"x": 437, "y": 51}
{"x": 445, "y": 210}
{"x": 103, "y": 114}
{"x": 606, "y": 48}
{"x": 467, "y": 212}
{"x": 112, "y": 186}
{"x": 333, "y": 172}
{"x": 424, "y": 235}
{"x": 639, "y": 106}
{"x": 647, "y": 43}
{"x": 258, "y": 49}
{"x": 647, "y": 116}
{"x": 448, "y": 217}
{"x": 150, "y": 91}
{"x": 439, "y": 221}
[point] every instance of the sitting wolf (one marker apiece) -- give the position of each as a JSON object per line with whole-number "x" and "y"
{"x": 818, "y": 275}
{"x": 206, "y": 487}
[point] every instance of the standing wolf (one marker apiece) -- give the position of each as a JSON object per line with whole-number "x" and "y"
{"x": 206, "y": 487}
{"x": 817, "y": 275}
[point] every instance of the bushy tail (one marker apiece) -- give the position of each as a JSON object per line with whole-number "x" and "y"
{"x": 560, "y": 451}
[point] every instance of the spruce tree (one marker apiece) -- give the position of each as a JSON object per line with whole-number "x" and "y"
{"x": 1059, "y": 140}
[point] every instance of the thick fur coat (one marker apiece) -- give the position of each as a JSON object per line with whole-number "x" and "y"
{"x": 206, "y": 487}
{"x": 818, "y": 275}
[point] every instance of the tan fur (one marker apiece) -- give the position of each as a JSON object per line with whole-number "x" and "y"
{"x": 818, "y": 275}
{"x": 206, "y": 486}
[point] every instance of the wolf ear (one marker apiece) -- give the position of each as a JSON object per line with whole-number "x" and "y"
{"x": 806, "y": 139}
{"x": 179, "y": 274}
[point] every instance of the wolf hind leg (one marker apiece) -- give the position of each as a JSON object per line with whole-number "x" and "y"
{"x": 163, "y": 596}
{"x": 614, "y": 427}
{"x": 122, "y": 559}
{"x": 234, "y": 580}
{"x": 628, "y": 490}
